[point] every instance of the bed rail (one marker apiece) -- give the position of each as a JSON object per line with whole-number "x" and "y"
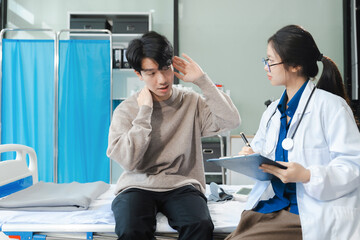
{"x": 15, "y": 174}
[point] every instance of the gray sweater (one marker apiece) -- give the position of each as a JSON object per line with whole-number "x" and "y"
{"x": 159, "y": 148}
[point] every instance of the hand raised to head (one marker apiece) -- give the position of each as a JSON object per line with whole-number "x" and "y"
{"x": 189, "y": 69}
{"x": 145, "y": 97}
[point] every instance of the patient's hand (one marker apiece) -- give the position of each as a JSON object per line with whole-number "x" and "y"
{"x": 189, "y": 68}
{"x": 246, "y": 151}
{"x": 145, "y": 97}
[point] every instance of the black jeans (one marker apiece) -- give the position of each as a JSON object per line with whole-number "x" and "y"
{"x": 186, "y": 209}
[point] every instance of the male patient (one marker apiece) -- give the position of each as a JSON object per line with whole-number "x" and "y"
{"x": 155, "y": 135}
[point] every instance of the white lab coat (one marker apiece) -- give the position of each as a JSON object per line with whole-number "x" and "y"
{"x": 327, "y": 143}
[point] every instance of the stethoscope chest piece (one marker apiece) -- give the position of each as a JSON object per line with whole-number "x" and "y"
{"x": 287, "y": 144}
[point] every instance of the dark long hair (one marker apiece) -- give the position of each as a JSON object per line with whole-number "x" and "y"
{"x": 296, "y": 47}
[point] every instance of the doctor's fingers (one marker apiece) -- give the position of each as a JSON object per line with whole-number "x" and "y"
{"x": 294, "y": 172}
{"x": 246, "y": 151}
{"x": 282, "y": 174}
{"x": 297, "y": 172}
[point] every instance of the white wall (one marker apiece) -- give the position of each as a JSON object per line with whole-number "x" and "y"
{"x": 227, "y": 38}
{"x": 54, "y": 14}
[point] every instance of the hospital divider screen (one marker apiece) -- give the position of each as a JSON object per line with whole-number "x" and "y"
{"x": 84, "y": 105}
{"x": 27, "y": 105}
{"x": 27, "y": 99}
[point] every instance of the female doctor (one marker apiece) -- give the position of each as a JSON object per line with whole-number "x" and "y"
{"x": 312, "y": 131}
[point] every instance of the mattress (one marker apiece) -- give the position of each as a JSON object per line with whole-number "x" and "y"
{"x": 98, "y": 221}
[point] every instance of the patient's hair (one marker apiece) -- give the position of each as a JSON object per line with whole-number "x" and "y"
{"x": 150, "y": 45}
{"x": 296, "y": 47}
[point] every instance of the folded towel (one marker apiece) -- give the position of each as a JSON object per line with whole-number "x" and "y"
{"x": 54, "y": 197}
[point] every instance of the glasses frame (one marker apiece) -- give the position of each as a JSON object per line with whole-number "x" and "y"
{"x": 266, "y": 63}
{"x": 164, "y": 70}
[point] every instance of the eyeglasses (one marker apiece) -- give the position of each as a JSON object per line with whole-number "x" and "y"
{"x": 266, "y": 63}
{"x": 152, "y": 72}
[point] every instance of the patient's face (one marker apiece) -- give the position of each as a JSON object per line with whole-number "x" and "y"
{"x": 158, "y": 81}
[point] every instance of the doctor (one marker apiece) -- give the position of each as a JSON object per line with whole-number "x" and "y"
{"x": 312, "y": 131}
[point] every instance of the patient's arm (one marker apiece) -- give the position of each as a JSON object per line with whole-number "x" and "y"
{"x": 129, "y": 134}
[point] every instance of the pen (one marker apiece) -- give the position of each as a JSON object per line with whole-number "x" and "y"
{"x": 245, "y": 140}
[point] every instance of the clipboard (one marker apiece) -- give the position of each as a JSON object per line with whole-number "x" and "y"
{"x": 247, "y": 165}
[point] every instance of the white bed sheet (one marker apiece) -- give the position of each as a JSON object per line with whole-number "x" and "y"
{"x": 99, "y": 217}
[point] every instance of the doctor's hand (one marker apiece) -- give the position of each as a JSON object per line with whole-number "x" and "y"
{"x": 294, "y": 172}
{"x": 246, "y": 151}
{"x": 145, "y": 97}
{"x": 190, "y": 69}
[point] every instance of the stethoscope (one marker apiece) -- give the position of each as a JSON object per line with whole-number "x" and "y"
{"x": 288, "y": 142}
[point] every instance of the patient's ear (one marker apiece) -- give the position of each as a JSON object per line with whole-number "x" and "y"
{"x": 138, "y": 74}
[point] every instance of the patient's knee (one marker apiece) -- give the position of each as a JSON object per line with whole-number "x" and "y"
{"x": 202, "y": 229}
{"x": 205, "y": 225}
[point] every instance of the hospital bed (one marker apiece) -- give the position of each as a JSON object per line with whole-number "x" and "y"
{"x": 96, "y": 222}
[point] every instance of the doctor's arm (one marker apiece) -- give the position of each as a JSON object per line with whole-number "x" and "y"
{"x": 342, "y": 173}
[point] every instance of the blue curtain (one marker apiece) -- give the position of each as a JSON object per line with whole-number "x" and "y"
{"x": 27, "y": 99}
{"x": 84, "y": 110}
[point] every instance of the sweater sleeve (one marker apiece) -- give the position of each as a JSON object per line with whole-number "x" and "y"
{"x": 129, "y": 137}
{"x": 217, "y": 113}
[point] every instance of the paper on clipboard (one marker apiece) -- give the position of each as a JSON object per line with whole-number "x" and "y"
{"x": 247, "y": 165}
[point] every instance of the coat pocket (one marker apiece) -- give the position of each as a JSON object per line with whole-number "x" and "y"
{"x": 347, "y": 223}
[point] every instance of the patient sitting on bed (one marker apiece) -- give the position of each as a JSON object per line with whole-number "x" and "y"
{"x": 155, "y": 135}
